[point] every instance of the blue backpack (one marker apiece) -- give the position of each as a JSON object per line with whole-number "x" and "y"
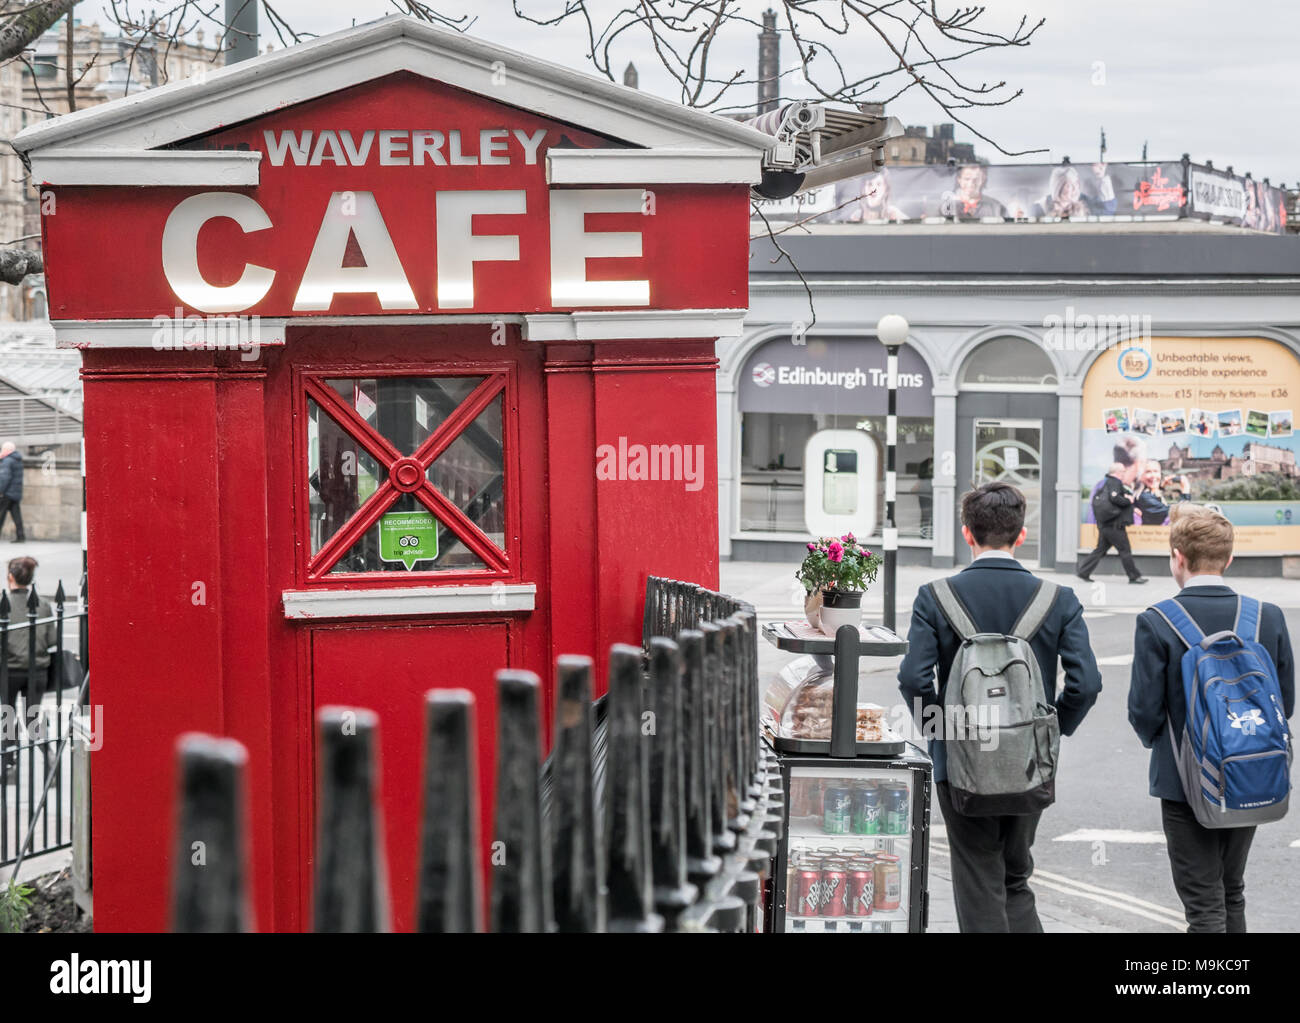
{"x": 1234, "y": 754}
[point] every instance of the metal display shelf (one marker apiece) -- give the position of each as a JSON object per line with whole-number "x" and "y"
{"x": 873, "y": 641}
{"x": 843, "y": 652}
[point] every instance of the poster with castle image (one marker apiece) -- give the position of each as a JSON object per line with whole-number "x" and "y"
{"x": 1197, "y": 419}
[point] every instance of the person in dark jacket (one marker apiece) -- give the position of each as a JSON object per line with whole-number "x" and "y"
{"x": 1112, "y": 505}
{"x": 28, "y": 664}
{"x": 1208, "y": 865}
{"x": 991, "y": 858}
{"x": 11, "y": 487}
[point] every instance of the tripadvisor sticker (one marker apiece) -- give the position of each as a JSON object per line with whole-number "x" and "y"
{"x": 408, "y": 537}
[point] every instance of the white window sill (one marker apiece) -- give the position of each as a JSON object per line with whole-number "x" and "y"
{"x": 323, "y": 605}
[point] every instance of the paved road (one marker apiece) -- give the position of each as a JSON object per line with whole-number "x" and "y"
{"x": 1101, "y": 860}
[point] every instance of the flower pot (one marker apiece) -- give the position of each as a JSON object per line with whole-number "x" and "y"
{"x": 812, "y": 607}
{"x": 840, "y": 607}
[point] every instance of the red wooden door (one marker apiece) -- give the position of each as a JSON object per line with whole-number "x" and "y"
{"x": 420, "y": 484}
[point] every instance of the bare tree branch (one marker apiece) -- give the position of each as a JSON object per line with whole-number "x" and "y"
{"x": 26, "y": 24}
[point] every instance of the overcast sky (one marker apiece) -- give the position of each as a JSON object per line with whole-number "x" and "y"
{"x": 1212, "y": 78}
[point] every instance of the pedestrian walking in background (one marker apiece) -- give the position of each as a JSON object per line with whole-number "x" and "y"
{"x": 1209, "y": 863}
{"x": 991, "y": 851}
{"x": 11, "y": 488}
{"x": 1112, "y": 507}
{"x": 28, "y": 672}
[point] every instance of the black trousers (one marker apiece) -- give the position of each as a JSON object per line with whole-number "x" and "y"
{"x": 1107, "y": 537}
{"x": 14, "y": 508}
{"x": 991, "y": 866}
{"x": 1209, "y": 867}
{"x": 11, "y": 735}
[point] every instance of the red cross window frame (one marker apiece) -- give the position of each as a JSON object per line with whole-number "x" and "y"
{"x": 408, "y": 474}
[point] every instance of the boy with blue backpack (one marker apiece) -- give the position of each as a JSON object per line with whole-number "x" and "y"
{"x": 1212, "y": 689}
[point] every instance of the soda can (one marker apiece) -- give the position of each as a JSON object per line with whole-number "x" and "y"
{"x": 807, "y": 892}
{"x": 837, "y": 811}
{"x": 835, "y": 891}
{"x": 889, "y": 882}
{"x": 862, "y": 888}
{"x": 866, "y": 811}
{"x": 895, "y": 798}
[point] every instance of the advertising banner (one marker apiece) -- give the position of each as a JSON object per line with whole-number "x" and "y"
{"x": 1236, "y": 200}
{"x": 1217, "y": 195}
{"x": 1032, "y": 192}
{"x": 1209, "y": 420}
{"x": 967, "y": 192}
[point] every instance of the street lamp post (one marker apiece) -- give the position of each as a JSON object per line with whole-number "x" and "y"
{"x": 892, "y": 331}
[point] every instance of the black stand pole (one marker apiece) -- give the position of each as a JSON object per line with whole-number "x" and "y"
{"x": 844, "y": 697}
{"x": 889, "y": 533}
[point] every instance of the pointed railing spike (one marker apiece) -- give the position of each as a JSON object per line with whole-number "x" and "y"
{"x": 627, "y": 800}
{"x": 701, "y": 864}
{"x": 449, "y": 899}
{"x": 519, "y": 878}
{"x": 209, "y": 869}
{"x": 672, "y": 891}
{"x": 351, "y": 882}
{"x": 577, "y": 864}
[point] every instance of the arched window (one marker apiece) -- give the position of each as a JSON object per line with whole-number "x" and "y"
{"x": 1008, "y": 364}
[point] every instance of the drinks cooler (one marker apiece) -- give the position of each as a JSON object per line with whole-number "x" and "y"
{"x": 854, "y": 853}
{"x": 855, "y": 849}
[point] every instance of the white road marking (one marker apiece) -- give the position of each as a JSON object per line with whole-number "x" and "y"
{"x": 1177, "y": 923}
{"x": 1116, "y": 660}
{"x": 1095, "y": 835}
{"x": 1098, "y": 614}
{"x": 1295, "y": 844}
{"x": 1105, "y": 896}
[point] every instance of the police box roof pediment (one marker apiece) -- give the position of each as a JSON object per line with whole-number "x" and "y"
{"x": 197, "y": 106}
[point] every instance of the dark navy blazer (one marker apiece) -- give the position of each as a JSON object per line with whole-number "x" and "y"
{"x": 995, "y": 591}
{"x": 1156, "y": 686}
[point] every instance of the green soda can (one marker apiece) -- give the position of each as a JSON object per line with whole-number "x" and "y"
{"x": 866, "y": 810}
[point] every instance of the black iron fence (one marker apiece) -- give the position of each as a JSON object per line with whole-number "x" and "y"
{"x": 39, "y": 685}
{"x": 657, "y": 809}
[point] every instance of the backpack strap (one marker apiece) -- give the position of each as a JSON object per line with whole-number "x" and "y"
{"x": 1180, "y": 621}
{"x": 1036, "y": 611}
{"x": 1248, "y": 616}
{"x": 953, "y": 609}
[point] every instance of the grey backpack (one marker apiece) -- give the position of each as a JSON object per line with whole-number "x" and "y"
{"x": 1001, "y": 735}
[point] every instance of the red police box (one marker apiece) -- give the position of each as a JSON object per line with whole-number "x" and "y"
{"x": 398, "y": 355}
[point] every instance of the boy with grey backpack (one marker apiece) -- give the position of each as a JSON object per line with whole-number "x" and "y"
{"x": 980, "y": 675}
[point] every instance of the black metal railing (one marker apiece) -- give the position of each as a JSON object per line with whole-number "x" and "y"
{"x": 35, "y": 769}
{"x": 657, "y": 809}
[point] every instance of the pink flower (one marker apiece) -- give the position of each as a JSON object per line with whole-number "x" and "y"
{"x": 835, "y": 552}
{"x": 812, "y": 546}
{"x": 847, "y": 538}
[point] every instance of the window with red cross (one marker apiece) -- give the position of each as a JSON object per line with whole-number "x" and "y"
{"x": 408, "y": 473}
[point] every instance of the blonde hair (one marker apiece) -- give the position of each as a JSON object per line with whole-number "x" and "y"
{"x": 1203, "y": 535}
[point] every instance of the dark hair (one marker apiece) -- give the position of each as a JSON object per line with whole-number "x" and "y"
{"x": 978, "y": 168}
{"x": 994, "y": 513}
{"x": 23, "y": 570}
